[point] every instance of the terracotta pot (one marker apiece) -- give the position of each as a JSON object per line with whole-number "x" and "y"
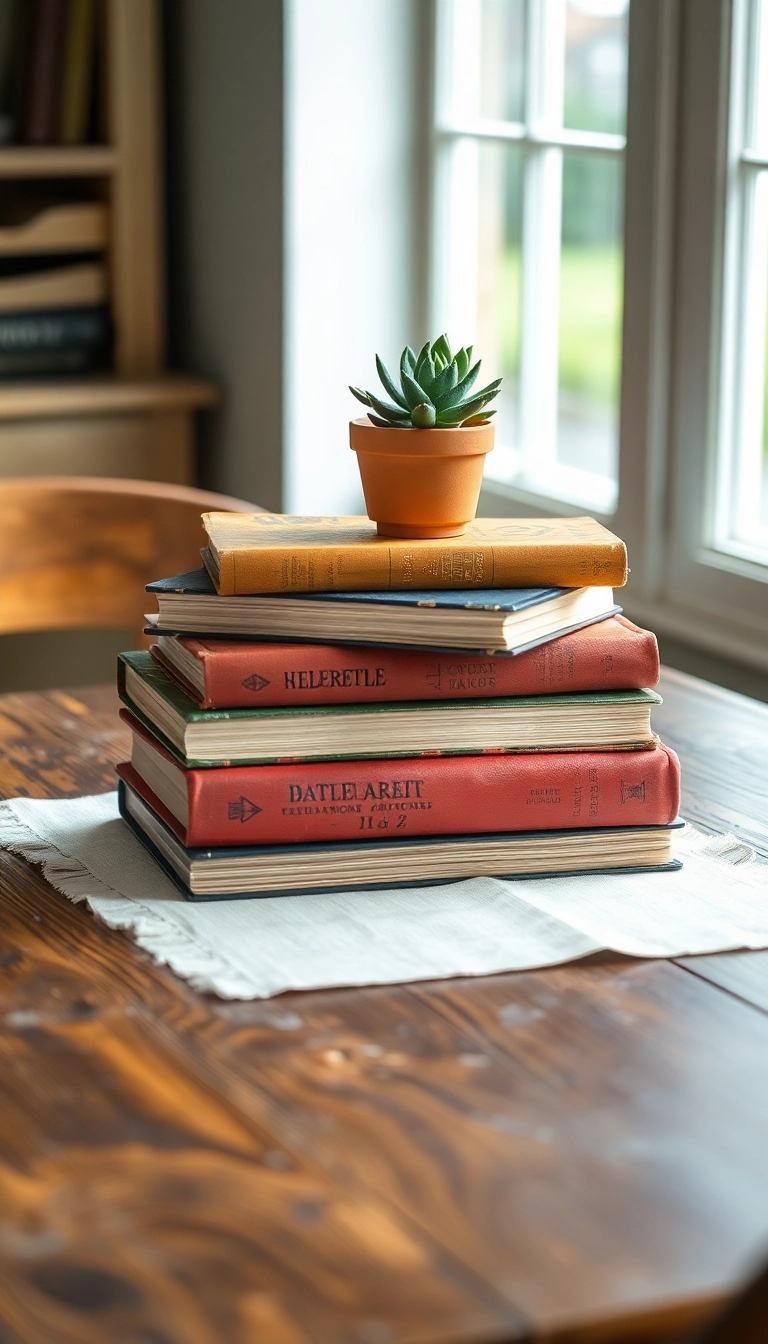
{"x": 420, "y": 482}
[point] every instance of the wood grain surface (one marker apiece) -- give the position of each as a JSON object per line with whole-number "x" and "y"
{"x": 576, "y": 1154}
{"x": 76, "y": 552}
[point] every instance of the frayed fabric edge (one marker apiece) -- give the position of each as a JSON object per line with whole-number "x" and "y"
{"x": 725, "y": 848}
{"x": 165, "y": 942}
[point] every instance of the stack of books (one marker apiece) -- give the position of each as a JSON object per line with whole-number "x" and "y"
{"x": 325, "y": 708}
{"x": 48, "y": 71}
{"x": 54, "y": 310}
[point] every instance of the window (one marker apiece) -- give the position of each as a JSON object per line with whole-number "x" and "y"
{"x": 712, "y": 537}
{"x": 600, "y": 228}
{"x": 740, "y": 522}
{"x": 531, "y": 106}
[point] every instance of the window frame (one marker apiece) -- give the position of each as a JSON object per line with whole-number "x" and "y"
{"x": 676, "y": 162}
{"x": 722, "y": 593}
{"x": 543, "y": 143}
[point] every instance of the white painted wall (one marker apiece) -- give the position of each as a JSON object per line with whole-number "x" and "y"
{"x": 354, "y": 206}
{"x": 224, "y": 102}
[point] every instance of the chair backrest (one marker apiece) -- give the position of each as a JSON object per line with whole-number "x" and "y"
{"x": 76, "y": 552}
{"x": 745, "y": 1320}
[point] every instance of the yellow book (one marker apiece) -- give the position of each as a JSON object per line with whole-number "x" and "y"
{"x": 77, "y": 73}
{"x": 284, "y": 553}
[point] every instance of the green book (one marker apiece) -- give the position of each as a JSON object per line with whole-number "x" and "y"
{"x": 587, "y": 721}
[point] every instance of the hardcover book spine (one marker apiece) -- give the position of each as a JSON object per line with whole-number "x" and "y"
{"x": 349, "y": 800}
{"x": 285, "y": 569}
{"x": 66, "y": 328}
{"x": 34, "y": 363}
{"x": 613, "y": 655}
{"x": 77, "y": 74}
{"x": 43, "y": 72}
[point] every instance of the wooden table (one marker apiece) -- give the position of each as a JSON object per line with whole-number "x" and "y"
{"x": 577, "y": 1154}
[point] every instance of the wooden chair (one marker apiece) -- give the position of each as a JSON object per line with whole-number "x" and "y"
{"x": 76, "y": 552}
{"x": 745, "y": 1320}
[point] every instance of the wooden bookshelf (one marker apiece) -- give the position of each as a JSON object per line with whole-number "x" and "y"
{"x": 136, "y": 421}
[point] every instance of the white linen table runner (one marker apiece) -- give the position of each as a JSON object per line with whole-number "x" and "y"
{"x": 248, "y": 949}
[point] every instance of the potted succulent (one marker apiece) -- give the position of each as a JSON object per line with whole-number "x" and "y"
{"x": 421, "y": 454}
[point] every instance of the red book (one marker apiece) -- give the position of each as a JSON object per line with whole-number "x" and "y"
{"x": 230, "y": 674}
{"x": 434, "y": 795}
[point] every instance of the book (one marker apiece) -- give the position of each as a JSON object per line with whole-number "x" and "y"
{"x": 41, "y": 224}
{"x": 77, "y": 73}
{"x": 74, "y": 285}
{"x": 8, "y": 25}
{"x": 611, "y": 720}
{"x": 18, "y": 27}
{"x": 613, "y": 654}
{"x": 288, "y": 870}
{"x": 49, "y": 363}
{"x": 413, "y": 795}
{"x": 492, "y": 621}
{"x": 42, "y": 75}
{"x": 57, "y": 329}
{"x": 283, "y": 553}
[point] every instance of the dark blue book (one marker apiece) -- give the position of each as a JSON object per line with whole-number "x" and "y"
{"x": 423, "y": 861}
{"x": 491, "y": 620}
{"x": 47, "y": 331}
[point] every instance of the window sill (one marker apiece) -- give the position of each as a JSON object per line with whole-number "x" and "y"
{"x": 566, "y": 489}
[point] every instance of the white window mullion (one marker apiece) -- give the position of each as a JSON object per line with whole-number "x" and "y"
{"x": 454, "y": 243}
{"x": 540, "y": 307}
{"x": 542, "y": 210}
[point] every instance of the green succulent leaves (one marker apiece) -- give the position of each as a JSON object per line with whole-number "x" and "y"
{"x": 435, "y": 391}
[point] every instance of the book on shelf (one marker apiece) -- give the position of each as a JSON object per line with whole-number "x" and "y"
{"x": 609, "y": 720}
{"x": 491, "y": 620}
{"x": 58, "y": 329}
{"x": 77, "y": 72}
{"x": 612, "y": 654}
{"x": 22, "y": 364}
{"x": 69, "y": 285}
{"x": 46, "y": 222}
{"x": 43, "y": 59}
{"x": 47, "y": 70}
{"x": 297, "y": 869}
{"x": 405, "y": 795}
{"x": 283, "y": 553}
{"x": 8, "y": 22}
{"x": 68, "y": 341}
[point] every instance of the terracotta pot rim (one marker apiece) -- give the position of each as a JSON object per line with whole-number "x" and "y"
{"x": 459, "y": 441}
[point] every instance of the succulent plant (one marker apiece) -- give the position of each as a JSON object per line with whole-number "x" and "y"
{"x": 435, "y": 390}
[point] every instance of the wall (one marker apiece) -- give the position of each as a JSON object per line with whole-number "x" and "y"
{"x": 296, "y": 199}
{"x": 355, "y": 201}
{"x": 224, "y": 116}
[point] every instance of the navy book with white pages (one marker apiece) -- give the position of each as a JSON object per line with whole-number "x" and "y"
{"x": 421, "y": 861}
{"x": 492, "y": 620}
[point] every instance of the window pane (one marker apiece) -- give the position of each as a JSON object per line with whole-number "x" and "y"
{"x": 596, "y": 65}
{"x": 502, "y": 59}
{"x": 591, "y": 272}
{"x": 497, "y": 337}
